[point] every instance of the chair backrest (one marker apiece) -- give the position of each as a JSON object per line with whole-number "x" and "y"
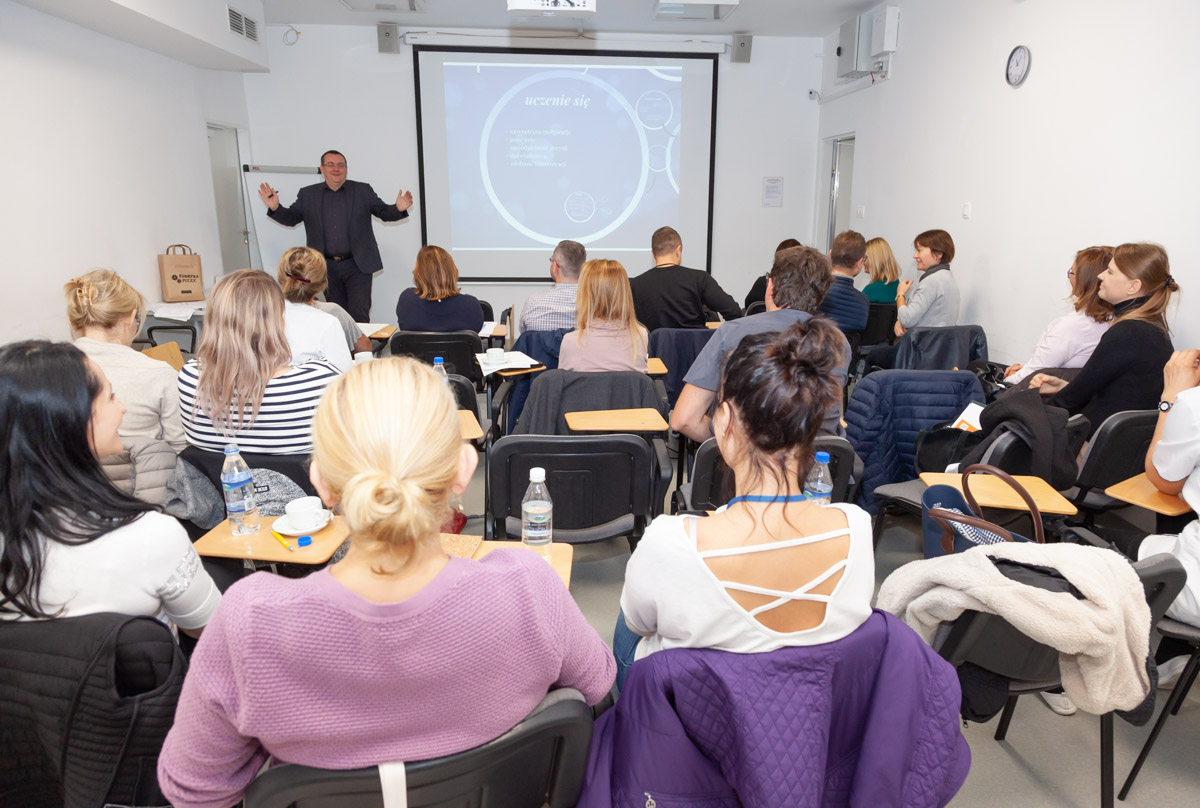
{"x": 167, "y": 352}
{"x": 881, "y": 324}
{"x": 678, "y": 348}
{"x": 1078, "y": 429}
{"x": 465, "y": 395}
{"x": 757, "y": 307}
{"x": 540, "y": 761}
{"x": 457, "y": 349}
{"x": 489, "y": 314}
{"x": 601, "y": 485}
{"x": 543, "y": 346}
{"x": 844, "y": 465}
{"x": 1118, "y": 450}
{"x": 557, "y": 392}
{"x": 942, "y": 348}
{"x": 292, "y": 466}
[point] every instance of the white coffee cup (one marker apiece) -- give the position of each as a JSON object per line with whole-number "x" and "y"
{"x": 306, "y": 513}
{"x": 363, "y": 356}
{"x": 495, "y": 354}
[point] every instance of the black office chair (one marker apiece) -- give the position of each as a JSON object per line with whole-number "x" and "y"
{"x": 457, "y": 349}
{"x": 292, "y": 466}
{"x": 185, "y": 329}
{"x": 991, "y": 643}
{"x": 879, "y": 330}
{"x": 489, "y": 314}
{"x": 540, "y": 761}
{"x": 1117, "y": 452}
{"x": 757, "y": 307}
{"x": 602, "y": 486}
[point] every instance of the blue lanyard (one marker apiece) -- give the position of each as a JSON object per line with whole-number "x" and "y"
{"x": 765, "y": 498}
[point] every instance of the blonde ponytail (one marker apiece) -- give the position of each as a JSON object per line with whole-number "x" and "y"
{"x": 386, "y": 440}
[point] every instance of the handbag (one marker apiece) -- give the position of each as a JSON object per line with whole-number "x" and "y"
{"x": 943, "y": 444}
{"x": 180, "y": 274}
{"x": 951, "y": 520}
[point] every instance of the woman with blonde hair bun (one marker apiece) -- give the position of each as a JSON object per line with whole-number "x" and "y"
{"x": 241, "y": 387}
{"x": 378, "y": 657}
{"x": 315, "y": 330}
{"x": 105, "y": 314}
{"x": 607, "y": 335}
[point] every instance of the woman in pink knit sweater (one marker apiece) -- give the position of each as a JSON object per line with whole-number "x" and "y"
{"x": 396, "y": 653}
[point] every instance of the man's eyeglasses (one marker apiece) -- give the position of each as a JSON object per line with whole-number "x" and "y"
{"x": 333, "y": 165}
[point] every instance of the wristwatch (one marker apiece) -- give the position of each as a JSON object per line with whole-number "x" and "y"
{"x": 1165, "y": 406}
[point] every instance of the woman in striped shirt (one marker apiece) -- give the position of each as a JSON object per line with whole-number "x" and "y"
{"x": 240, "y": 388}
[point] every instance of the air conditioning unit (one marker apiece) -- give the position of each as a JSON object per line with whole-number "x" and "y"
{"x": 552, "y": 8}
{"x": 707, "y": 10}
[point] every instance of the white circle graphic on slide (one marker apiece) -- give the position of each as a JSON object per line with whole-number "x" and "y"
{"x": 602, "y": 179}
{"x": 654, "y": 109}
{"x": 580, "y": 207}
{"x": 660, "y": 157}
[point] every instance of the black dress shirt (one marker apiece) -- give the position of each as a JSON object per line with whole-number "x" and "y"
{"x": 674, "y": 296}
{"x": 335, "y": 214}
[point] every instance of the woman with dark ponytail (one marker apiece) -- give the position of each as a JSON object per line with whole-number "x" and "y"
{"x": 71, "y": 543}
{"x": 770, "y": 569}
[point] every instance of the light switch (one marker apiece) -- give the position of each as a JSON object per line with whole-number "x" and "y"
{"x": 861, "y": 211}
{"x": 967, "y": 210}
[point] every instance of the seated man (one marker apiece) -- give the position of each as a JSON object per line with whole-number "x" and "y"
{"x": 674, "y": 296}
{"x": 797, "y": 284}
{"x": 846, "y": 305}
{"x": 555, "y": 307}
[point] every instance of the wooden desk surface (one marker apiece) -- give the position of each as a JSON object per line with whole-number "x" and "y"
{"x": 168, "y": 352}
{"x": 468, "y": 425}
{"x": 263, "y": 546}
{"x": 645, "y": 419}
{"x": 992, "y": 492}
{"x": 507, "y": 374}
{"x": 1141, "y": 492}
{"x": 655, "y": 367}
{"x": 500, "y": 330}
{"x": 383, "y": 333}
{"x": 714, "y": 325}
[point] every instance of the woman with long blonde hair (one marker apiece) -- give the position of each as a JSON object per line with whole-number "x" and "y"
{"x": 1125, "y": 372}
{"x": 884, "y": 270}
{"x": 241, "y": 387}
{"x": 607, "y": 335}
{"x": 436, "y": 303}
{"x": 312, "y": 332}
{"x": 379, "y": 656}
{"x": 105, "y": 314}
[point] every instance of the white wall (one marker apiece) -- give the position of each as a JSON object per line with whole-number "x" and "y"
{"x": 334, "y": 90}
{"x": 106, "y": 163}
{"x": 1097, "y": 147}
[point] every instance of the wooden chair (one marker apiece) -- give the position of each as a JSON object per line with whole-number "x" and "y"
{"x": 167, "y": 352}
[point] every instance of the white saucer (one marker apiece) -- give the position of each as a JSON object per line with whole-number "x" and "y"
{"x": 282, "y": 526}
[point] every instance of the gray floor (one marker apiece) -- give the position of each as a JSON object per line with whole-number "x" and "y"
{"x": 1047, "y": 759}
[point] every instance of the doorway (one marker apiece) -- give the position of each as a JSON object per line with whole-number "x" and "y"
{"x": 841, "y": 182}
{"x": 226, "y": 163}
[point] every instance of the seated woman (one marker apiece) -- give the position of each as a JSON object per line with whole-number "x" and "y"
{"x": 884, "y": 271}
{"x": 436, "y": 303}
{"x": 1068, "y": 341}
{"x": 381, "y": 657}
{"x": 1173, "y": 465}
{"x": 934, "y": 303}
{"x": 73, "y": 544}
{"x": 607, "y": 335}
{"x": 1125, "y": 370}
{"x": 313, "y": 332}
{"x": 771, "y": 569}
{"x": 241, "y": 387}
{"x": 105, "y": 314}
{"x": 758, "y": 292}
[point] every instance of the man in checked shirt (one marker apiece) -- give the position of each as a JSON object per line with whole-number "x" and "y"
{"x": 555, "y": 308}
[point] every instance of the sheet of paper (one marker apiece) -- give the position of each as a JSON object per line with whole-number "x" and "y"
{"x": 488, "y": 328}
{"x": 772, "y": 192}
{"x": 968, "y": 419}
{"x": 511, "y": 361}
{"x": 370, "y": 328}
{"x": 175, "y": 311}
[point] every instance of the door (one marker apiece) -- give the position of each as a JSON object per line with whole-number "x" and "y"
{"x": 231, "y": 206}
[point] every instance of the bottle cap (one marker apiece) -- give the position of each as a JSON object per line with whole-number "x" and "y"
{"x": 537, "y": 474}
{"x": 230, "y": 448}
{"x": 304, "y": 541}
{"x": 822, "y": 457}
{"x": 437, "y": 360}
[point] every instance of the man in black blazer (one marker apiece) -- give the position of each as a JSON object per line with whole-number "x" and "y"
{"x": 337, "y": 222}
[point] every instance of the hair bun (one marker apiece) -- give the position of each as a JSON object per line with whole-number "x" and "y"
{"x": 809, "y": 347}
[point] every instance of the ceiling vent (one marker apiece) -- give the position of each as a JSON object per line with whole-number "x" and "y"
{"x": 242, "y": 25}
{"x": 694, "y": 9}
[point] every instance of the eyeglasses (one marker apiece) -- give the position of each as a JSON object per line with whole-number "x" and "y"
{"x": 333, "y": 165}
{"x": 1071, "y": 272}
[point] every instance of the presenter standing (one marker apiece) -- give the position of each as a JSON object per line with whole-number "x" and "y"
{"x": 337, "y": 222}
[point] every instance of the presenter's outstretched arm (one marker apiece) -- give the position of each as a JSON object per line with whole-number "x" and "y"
{"x": 404, "y": 200}
{"x": 269, "y": 195}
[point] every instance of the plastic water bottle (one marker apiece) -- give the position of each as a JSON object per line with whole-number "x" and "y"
{"x": 537, "y": 514}
{"x": 238, "y": 485}
{"x": 439, "y": 367}
{"x": 819, "y": 485}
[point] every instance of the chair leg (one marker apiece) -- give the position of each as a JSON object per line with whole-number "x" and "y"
{"x": 1173, "y": 701}
{"x": 1106, "y": 760}
{"x": 1189, "y": 679}
{"x": 877, "y": 527}
{"x": 1006, "y": 717}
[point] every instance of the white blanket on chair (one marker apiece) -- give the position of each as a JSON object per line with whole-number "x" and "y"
{"x": 1102, "y": 640}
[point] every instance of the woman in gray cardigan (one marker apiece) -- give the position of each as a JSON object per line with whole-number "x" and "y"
{"x": 934, "y": 303}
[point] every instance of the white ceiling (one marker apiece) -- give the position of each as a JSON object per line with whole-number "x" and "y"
{"x": 762, "y": 17}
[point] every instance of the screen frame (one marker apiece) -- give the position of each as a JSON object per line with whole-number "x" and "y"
{"x": 712, "y": 145}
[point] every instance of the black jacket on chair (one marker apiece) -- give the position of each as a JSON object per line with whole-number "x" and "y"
{"x": 87, "y": 702}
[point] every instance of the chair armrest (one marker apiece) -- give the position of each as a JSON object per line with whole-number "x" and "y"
{"x": 662, "y": 475}
{"x": 1081, "y": 535}
{"x": 665, "y": 401}
{"x": 499, "y": 400}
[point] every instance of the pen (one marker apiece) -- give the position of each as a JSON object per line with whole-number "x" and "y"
{"x": 283, "y": 541}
